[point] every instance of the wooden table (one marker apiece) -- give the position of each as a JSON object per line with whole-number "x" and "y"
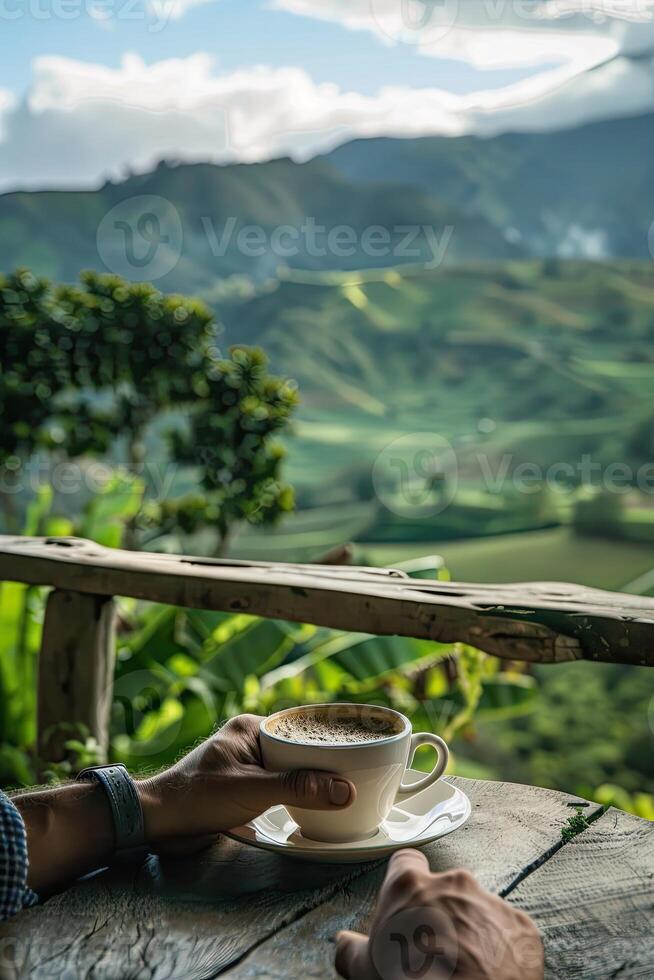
{"x": 239, "y": 912}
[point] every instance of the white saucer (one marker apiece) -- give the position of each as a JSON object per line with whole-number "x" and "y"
{"x": 418, "y": 820}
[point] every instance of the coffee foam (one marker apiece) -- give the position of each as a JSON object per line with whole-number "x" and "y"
{"x": 323, "y": 729}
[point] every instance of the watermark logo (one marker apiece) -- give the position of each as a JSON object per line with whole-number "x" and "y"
{"x": 419, "y": 22}
{"x": 139, "y": 698}
{"x": 141, "y": 238}
{"x": 428, "y": 22}
{"x": 416, "y": 475}
{"x": 415, "y": 944}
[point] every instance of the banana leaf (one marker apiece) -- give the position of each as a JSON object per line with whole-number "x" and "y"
{"x": 181, "y": 723}
{"x": 351, "y": 664}
{"x": 507, "y": 696}
{"x": 108, "y": 511}
{"x": 252, "y": 651}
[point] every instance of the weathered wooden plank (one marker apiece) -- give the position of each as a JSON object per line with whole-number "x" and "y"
{"x": 246, "y": 913}
{"x": 76, "y": 666}
{"x": 594, "y": 902}
{"x": 512, "y": 829}
{"x": 539, "y": 622}
{"x": 166, "y": 920}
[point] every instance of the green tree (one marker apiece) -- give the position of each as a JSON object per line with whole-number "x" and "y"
{"x": 33, "y": 373}
{"x": 143, "y": 349}
{"x": 233, "y": 446}
{"x": 87, "y": 369}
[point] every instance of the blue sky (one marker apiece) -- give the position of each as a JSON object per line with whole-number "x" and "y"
{"x": 90, "y": 89}
{"x": 237, "y": 33}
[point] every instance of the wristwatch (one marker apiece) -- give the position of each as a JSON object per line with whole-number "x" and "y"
{"x": 124, "y": 801}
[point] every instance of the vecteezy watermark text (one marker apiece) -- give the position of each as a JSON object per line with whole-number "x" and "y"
{"x": 404, "y": 242}
{"x": 428, "y": 22}
{"x": 69, "y": 477}
{"x": 142, "y": 238}
{"x": 156, "y": 14}
{"x": 418, "y": 474}
{"x": 525, "y": 476}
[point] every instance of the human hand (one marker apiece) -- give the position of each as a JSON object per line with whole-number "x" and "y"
{"x": 222, "y": 784}
{"x": 436, "y": 926}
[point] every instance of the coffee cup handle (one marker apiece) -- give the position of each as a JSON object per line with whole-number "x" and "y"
{"x": 425, "y": 738}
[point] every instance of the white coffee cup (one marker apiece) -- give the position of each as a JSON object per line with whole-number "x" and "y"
{"x": 377, "y": 768}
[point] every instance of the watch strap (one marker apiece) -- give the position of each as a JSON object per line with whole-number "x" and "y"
{"x": 124, "y": 801}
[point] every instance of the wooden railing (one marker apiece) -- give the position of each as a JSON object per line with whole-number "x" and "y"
{"x": 537, "y": 622}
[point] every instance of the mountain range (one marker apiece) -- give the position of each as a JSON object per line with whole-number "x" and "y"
{"x": 576, "y": 193}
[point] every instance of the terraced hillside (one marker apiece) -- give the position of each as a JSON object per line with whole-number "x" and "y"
{"x": 547, "y": 361}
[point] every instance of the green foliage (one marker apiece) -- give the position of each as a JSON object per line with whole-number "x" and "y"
{"x": 181, "y": 672}
{"x": 233, "y": 447}
{"x": 641, "y": 804}
{"x": 109, "y": 511}
{"x": 61, "y": 348}
{"x": 88, "y": 369}
{"x": 591, "y": 727}
{"x": 598, "y": 514}
{"x": 217, "y": 669}
{"x": 21, "y": 619}
{"x": 33, "y": 369}
{"x": 143, "y": 348}
{"x": 574, "y": 825}
{"x": 81, "y": 750}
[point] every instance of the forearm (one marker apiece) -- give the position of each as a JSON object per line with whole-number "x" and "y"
{"x": 69, "y": 833}
{"x": 220, "y": 784}
{"x": 70, "y": 830}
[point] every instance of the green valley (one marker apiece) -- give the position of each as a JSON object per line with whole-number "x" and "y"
{"x": 534, "y": 370}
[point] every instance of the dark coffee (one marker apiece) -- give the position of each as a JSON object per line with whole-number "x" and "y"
{"x": 325, "y": 728}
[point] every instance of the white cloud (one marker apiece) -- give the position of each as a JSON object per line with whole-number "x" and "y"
{"x": 491, "y": 33}
{"x": 7, "y": 102}
{"x": 81, "y": 123}
{"x": 167, "y": 10}
{"x": 100, "y": 16}
{"x": 620, "y": 87}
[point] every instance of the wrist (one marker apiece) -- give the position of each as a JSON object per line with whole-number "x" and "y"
{"x": 124, "y": 803}
{"x": 156, "y": 819}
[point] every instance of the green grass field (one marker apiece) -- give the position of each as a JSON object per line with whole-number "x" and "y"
{"x": 552, "y": 555}
{"x": 555, "y": 554}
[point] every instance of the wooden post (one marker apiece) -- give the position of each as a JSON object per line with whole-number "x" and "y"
{"x": 76, "y": 667}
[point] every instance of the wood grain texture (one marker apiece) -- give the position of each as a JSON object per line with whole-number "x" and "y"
{"x": 242, "y": 912}
{"x": 594, "y": 902}
{"x": 537, "y": 622}
{"x": 76, "y": 666}
{"x": 512, "y": 829}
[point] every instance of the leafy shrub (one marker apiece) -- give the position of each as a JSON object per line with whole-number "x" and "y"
{"x": 88, "y": 369}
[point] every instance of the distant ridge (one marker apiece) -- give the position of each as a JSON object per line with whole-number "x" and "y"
{"x": 575, "y": 193}
{"x": 585, "y": 192}
{"x": 55, "y": 232}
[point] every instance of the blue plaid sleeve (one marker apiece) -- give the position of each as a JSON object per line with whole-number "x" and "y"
{"x": 14, "y": 893}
